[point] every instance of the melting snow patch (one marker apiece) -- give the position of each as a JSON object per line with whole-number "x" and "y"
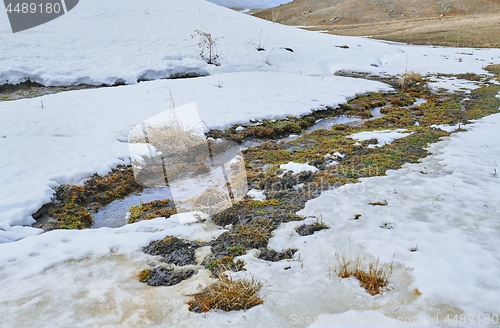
{"x": 445, "y": 127}
{"x": 453, "y": 84}
{"x": 297, "y": 168}
{"x": 384, "y": 136}
{"x": 257, "y": 194}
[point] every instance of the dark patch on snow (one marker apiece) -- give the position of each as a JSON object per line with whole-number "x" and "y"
{"x": 173, "y": 250}
{"x": 268, "y": 254}
{"x": 167, "y": 277}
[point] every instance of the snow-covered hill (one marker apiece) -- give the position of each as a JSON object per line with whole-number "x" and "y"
{"x": 123, "y": 41}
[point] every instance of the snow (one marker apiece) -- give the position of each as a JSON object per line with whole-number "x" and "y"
{"x": 96, "y": 43}
{"x": 298, "y": 167}
{"x": 383, "y": 136}
{"x": 447, "y": 203}
{"x": 256, "y": 194}
{"x": 445, "y": 127}
{"x": 453, "y": 84}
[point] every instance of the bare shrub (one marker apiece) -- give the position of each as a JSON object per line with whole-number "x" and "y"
{"x": 208, "y": 45}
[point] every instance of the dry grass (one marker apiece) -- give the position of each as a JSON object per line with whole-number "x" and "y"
{"x": 321, "y": 12}
{"x": 151, "y": 210}
{"x": 410, "y": 80}
{"x": 175, "y": 139}
{"x": 372, "y": 276}
{"x": 180, "y": 149}
{"x": 212, "y": 201}
{"x": 227, "y": 294}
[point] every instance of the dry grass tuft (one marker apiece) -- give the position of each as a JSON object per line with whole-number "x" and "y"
{"x": 227, "y": 294}
{"x": 372, "y": 276}
{"x": 212, "y": 201}
{"x": 410, "y": 80}
{"x": 175, "y": 139}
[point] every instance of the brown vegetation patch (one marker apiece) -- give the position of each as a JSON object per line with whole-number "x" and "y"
{"x": 73, "y": 205}
{"x": 309, "y": 229}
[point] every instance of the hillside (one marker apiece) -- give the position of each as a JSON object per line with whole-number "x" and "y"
{"x": 424, "y": 22}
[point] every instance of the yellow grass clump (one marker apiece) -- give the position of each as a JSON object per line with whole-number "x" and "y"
{"x": 372, "y": 276}
{"x": 227, "y": 294}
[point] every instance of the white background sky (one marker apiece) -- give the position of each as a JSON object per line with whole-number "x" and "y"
{"x": 250, "y": 3}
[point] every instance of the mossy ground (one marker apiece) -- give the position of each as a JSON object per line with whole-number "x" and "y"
{"x": 154, "y": 209}
{"x": 357, "y": 160}
{"x": 73, "y": 206}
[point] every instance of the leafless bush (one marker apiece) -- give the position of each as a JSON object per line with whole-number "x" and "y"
{"x": 208, "y": 45}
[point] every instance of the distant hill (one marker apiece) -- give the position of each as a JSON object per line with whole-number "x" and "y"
{"x": 321, "y": 12}
{"x": 470, "y": 23}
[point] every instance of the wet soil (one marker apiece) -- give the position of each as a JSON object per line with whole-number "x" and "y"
{"x": 271, "y": 255}
{"x": 173, "y": 251}
{"x": 165, "y": 277}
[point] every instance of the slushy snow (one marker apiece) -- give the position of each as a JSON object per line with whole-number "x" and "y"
{"x": 298, "y": 167}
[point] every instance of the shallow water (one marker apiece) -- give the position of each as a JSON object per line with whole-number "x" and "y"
{"x": 115, "y": 214}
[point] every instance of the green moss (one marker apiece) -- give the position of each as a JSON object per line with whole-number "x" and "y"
{"x": 483, "y": 102}
{"x": 135, "y": 213}
{"x": 264, "y": 203}
{"x": 236, "y": 250}
{"x": 71, "y": 216}
{"x": 224, "y": 263}
{"x": 144, "y": 275}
